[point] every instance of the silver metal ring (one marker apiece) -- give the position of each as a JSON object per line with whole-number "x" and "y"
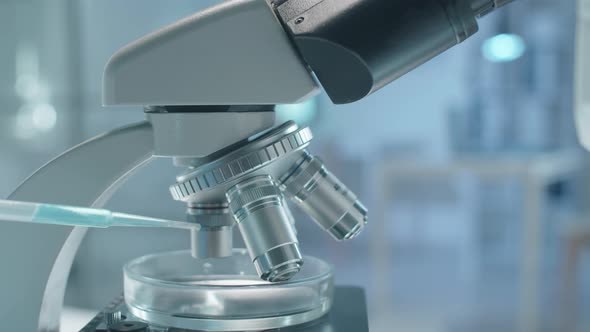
{"x": 259, "y": 152}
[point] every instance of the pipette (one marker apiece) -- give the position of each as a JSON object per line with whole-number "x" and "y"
{"x": 52, "y": 214}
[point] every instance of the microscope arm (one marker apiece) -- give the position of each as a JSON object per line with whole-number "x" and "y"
{"x": 36, "y": 259}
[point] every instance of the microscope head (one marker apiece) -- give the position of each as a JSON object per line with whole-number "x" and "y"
{"x": 236, "y": 53}
{"x": 209, "y": 84}
{"x": 267, "y": 52}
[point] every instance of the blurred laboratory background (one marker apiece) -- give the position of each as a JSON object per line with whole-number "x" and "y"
{"x": 477, "y": 189}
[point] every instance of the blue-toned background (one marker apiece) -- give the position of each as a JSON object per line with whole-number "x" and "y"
{"x": 469, "y": 165}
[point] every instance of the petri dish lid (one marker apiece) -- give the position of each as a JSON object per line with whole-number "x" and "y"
{"x": 173, "y": 289}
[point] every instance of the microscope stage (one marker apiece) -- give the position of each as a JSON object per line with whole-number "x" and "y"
{"x": 348, "y": 314}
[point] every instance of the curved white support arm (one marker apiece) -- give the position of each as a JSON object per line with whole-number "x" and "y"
{"x": 35, "y": 260}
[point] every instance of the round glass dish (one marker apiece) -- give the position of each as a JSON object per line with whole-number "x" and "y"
{"x": 175, "y": 290}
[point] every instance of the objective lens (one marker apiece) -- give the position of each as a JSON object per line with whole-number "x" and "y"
{"x": 319, "y": 193}
{"x": 211, "y": 242}
{"x": 263, "y": 219}
{"x": 213, "y": 238}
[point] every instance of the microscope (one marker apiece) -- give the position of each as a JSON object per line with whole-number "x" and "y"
{"x": 208, "y": 85}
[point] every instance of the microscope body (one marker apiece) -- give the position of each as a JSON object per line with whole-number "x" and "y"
{"x": 208, "y": 84}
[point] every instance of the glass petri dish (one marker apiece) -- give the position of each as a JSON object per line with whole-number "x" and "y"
{"x": 175, "y": 290}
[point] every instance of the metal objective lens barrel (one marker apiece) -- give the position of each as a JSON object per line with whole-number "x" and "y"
{"x": 327, "y": 200}
{"x": 213, "y": 238}
{"x": 262, "y": 215}
{"x": 211, "y": 242}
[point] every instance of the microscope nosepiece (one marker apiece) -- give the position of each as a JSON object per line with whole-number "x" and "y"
{"x": 264, "y": 221}
{"x": 325, "y": 198}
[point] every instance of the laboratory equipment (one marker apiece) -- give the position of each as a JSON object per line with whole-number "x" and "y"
{"x": 53, "y": 214}
{"x": 208, "y": 84}
{"x": 172, "y": 289}
{"x": 348, "y": 314}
